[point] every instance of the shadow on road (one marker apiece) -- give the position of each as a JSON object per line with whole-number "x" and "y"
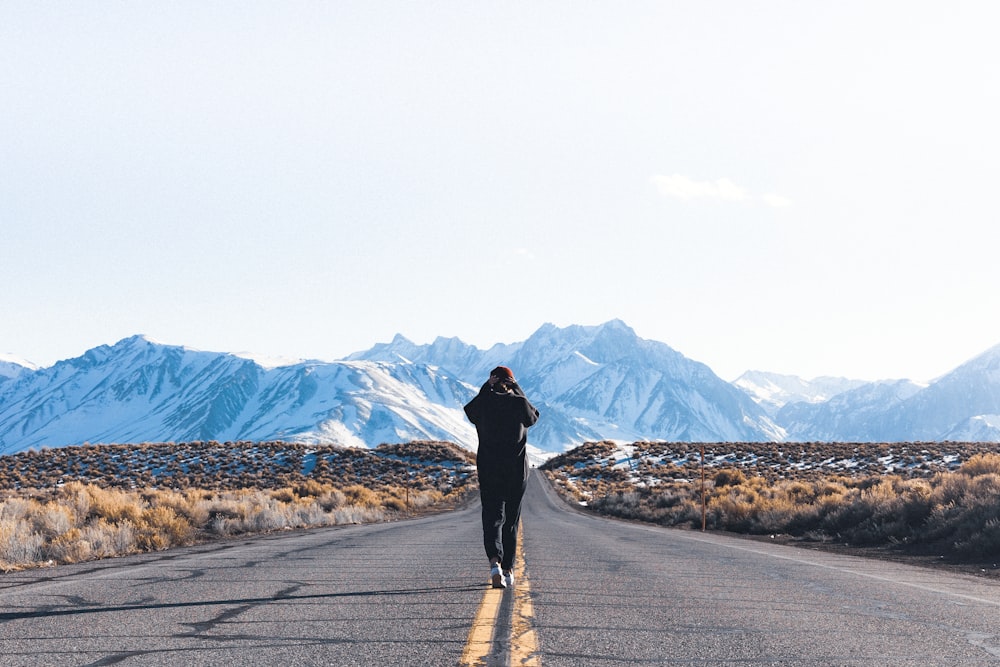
{"x": 48, "y": 613}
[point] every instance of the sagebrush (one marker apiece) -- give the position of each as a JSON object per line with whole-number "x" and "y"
{"x": 52, "y": 511}
{"x": 956, "y": 511}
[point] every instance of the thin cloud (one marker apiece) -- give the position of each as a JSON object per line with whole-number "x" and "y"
{"x": 681, "y": 187}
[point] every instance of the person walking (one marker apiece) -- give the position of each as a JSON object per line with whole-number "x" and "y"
{"x": 501, "y": 414}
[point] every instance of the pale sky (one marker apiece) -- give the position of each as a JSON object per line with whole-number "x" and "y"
{"x": 801, "y": 187}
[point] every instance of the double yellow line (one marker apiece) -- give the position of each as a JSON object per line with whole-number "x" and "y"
{"x": 522, "y": 641}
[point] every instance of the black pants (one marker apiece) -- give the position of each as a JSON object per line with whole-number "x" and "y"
{"x": 501, "y": 516}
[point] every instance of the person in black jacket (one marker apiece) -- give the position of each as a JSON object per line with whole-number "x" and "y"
{"x": 502, "y": 414}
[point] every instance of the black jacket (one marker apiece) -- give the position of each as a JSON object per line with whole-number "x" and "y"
{"x": 502, "y": 422}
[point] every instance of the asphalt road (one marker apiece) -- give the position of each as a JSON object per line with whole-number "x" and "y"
{"x": 399, "y": 593}
{"x": 598, "y": 592}
{"x": 614, "y": 593}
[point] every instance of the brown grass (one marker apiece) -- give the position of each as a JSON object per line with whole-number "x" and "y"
{"x": 940, "y": 496}
{"x": 55, "y": 515}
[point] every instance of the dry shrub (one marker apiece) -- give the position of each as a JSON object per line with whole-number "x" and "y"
{"x": 77, "y": 521}
{"x": 894, "y": 510}
{"x": 19, "y": 545}
{"x": 981, "y": 464}
{"x": 230, "y": 506}
{"x": 983, "y": 542}
{"x": 395, "y": 504}
{"x": 188, "y": 505}
{"x": 425, "y": 499}
{"x": 833, "y": 487}
{"x": 311, "y": 514}
{"x": 311, "y": 489}
{"x": 951, "y": 489}
{"x": 253, "y": 512}
{"x": 958, "y": 510}
{"x": 109, "y": 539}
{"x": 732, "y": 512}
{"x": 70, "y": 547}
{"x": 730, "y": 477}
{"x": 361, "y": 496}
{"x": 114, "y": 505}
{"x": 74, "y": 497}
{"x": 52, "y": 520}
{"x": 357, "y": 514}
{"x": 267, "y": 517}
{"x": 966, "y": 512}
{"x": 399, "y": 499}
{"x": 15, "y": 509}
{"x": 161, "y": 528}
{"x": 331, "y": 500}
{"x": 284, "y": 495}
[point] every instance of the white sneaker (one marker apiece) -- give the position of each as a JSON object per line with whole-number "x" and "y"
{"x": 508, "y": 578}
{"x": 496, "y": 575}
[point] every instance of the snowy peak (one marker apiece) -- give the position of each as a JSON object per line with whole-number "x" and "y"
{"x": 862, "y": 414}
{"x": 13, "y": 367}
{"x": 590, "y": 383}
{"x": 603, "y": 343}
{"x": 603, "y": 381}
{"x": 772, "y": 391}
{"x": 971, "y": 390}
{"x": 981, "y": 428}
{"x": 465, "y": 361}
{"x": 141, "y": 391}
{"x": 400, "y": 349}
{"x": 985, "y": 366}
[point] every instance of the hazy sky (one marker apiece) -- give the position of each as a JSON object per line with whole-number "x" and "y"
{"x": 800, "y": 187}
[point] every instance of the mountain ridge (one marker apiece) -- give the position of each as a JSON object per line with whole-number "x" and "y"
{"x": 591, "y": 382}
{"x": 602, "y": 381}
{"x": 140, "y": 391}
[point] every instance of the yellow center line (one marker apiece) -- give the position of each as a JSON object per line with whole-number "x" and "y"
{"x": 523, "y": 640}
{"x": 480, "y": 640}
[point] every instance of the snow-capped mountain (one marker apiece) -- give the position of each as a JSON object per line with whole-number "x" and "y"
{"x": 142, "y": 391}
{"x": 981, "y": 428}
{"x": 961, "y": 405}
{"x": 772, "y": 391}
{"x": 603, "y": 382}
{"x": 969, "y": 392}
{"x": 857, "y": 415}
{"x": 590, "y": 383}
{"x": 12, "y": 367}
{"x": 465, "y": 361}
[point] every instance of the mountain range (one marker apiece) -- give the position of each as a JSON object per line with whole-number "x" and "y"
{"x": 589, "y": 382}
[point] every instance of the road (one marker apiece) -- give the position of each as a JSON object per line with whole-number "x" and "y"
{"x": 614, "y": 593}
{"x": 591, "y": 592}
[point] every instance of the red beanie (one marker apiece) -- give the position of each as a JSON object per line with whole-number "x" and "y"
{"x": 502, "y": 372}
